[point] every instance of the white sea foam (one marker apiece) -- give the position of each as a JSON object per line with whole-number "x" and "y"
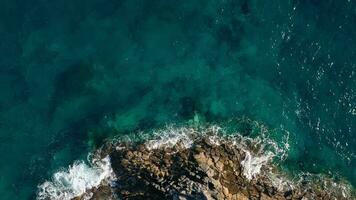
{"x": 281, "y": 182}
{"x": 252, "y": 164}
{"x": 341, "y": 189}
{"x": 184, "y": 136}
{"x": 76, "y": 180}
{"x": 259, "y": 151}
{"x": 171, "y": 136}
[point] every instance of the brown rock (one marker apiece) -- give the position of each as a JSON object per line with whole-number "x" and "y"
{"x": 207, "y": 170}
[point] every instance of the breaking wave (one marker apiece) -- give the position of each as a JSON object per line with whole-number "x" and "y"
{"x": 260, "y": 150}
{"x": 77, "y": 180}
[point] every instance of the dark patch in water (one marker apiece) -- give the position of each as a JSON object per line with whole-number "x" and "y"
{"x": 188, "y": 107}
{"x": 14, "y": 88}
{"x": 70, "y": 84}
{"x": 245, "y": 8}
{"x": 245, "y": 128}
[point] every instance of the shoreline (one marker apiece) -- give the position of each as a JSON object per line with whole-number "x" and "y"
{"x": 198, "y": 163}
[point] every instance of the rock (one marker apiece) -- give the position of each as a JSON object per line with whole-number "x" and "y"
{"x": 206, "y": 171}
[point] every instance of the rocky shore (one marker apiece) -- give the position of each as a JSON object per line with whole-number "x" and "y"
{"x": 203, "y": 170}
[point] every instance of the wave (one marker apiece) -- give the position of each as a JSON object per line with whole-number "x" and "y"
{"x": 77, "y": 180}
{"x": 260, "y": 153}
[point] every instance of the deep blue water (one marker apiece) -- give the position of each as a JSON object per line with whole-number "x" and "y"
{"x": 70, "y": 67}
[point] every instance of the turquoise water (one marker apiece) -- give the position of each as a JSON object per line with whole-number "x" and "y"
{"x": 75, "y": 73}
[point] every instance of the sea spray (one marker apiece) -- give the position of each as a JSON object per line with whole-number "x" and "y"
{"x": 259, "y": 150}
{"x": 77, "y": 180}
{"x": 171, "y": 136}
{"x": 252, "y": 165}
{"x": 256, "y": 155}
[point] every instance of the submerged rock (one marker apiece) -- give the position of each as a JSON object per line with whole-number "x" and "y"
{"x": 205, "y": 169}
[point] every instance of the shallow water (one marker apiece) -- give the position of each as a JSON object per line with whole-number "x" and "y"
{"x": 74, "y": 73}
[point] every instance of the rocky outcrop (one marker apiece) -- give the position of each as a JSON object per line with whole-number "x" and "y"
{"x": 203, "y": 171}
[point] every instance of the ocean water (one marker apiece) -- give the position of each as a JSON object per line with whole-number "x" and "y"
{"x": 74, "y": 73}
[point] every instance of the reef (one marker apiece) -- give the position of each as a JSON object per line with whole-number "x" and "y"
{"x": 201, "y": 166}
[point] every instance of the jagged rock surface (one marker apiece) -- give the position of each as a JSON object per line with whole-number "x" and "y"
{"x": 204, "y": 171}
